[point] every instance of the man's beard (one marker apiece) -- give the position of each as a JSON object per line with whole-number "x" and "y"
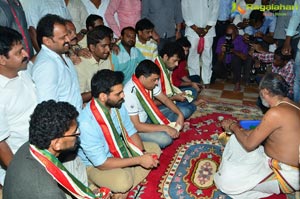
{"x": 70, "y": 153}
{"x": 72, "y": 149}
{"x": 76, "y": 145}
{"x": 264, "y": 102}
{"x": 112, "y": 104}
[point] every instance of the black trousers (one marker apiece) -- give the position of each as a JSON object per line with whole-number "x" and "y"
{"x": 236, "y": 66}
{"x": 220, "y": 28}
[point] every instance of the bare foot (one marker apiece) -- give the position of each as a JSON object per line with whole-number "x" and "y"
{"x": 200, "y": 102}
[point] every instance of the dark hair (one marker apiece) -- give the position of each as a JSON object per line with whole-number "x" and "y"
{"x": 98, "y": 33}
{"x": 283, "y": 57}
{"x": 50, "y": 120}
{"x": 275, "y": 84}
{"x": 143, "y": 24}
{"x": 233, "y": 27}
{"x": 184, "y": 42}
{"x": 255, "y": 16}
{"x": 46, "y": 25}
{"x": 69, "y": 21}
{"x": 172, "y": 48}
{"x": 104, "y": 80}
{"x": 146, "y": 68}
{"x": 90, "y": 20}
{"x": 127, "y": 28}
{"x": 8, "y": 38}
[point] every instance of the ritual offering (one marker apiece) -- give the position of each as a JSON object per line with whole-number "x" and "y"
{"x": 173, "y": 125}
{"x": 103, "y": 192}
{"x": 154, "y": 156}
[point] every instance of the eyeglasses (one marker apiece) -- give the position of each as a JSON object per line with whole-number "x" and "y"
{"x": 76, "y": 134}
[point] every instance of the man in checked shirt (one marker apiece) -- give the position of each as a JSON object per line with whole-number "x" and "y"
{"x": 281, "y": 64}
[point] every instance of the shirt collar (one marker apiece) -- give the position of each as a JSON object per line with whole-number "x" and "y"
{"x": 49, "y": 51}
{"x": 5, "y": 80}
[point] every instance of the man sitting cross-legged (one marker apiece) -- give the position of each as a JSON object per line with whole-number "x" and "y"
{"x": 264, "y": 161}
{"x": 167, "y": 61}
{"x": 35, "y": 171}
{"x": 151, "y": 123}
{"x": 110, "y": 145}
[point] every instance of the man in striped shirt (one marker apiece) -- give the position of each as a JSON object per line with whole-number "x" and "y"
{"x": 144, "y": 41}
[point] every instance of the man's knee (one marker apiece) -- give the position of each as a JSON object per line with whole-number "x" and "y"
{"x": 118, "y": 180}
{"x": 123, "y": 183}
{"x": 236, "y": 61}
{"x": 187, "y": 110}
{"x": 164, "y": 140}
{"x": 152, "y": 147}
{"x": 160, "y": 138}
{"x": 224, "y": 183}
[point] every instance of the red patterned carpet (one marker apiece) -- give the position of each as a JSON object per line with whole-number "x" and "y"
{"x": 187, "y": 166}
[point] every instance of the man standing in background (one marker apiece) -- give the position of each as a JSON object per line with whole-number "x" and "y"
{"x": 35, "y": 10}
{"x": 286, "y": 50}
{"x": 120, "y": 14}
{"x": 200, "y": 18}
{"x": 166, "y": 16}
{"x": 13, "y": 16}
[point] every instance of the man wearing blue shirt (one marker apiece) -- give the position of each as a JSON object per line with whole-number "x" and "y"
{"x": 111, "y": 148}
{"x": 262, "y": 26}
{"x": 129, "y": 56}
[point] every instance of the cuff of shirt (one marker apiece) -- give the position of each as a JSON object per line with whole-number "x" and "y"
{"x": 211, "y": 23}
{"x": 189, "y": 23}
{"x": 291, "y": 32}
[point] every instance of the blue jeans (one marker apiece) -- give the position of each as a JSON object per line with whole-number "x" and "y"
{"x": 297, "y": 77}
{"x": 186, "y": 108}
{"x": 160, "y": 138}
{"x": 168, "y": 113}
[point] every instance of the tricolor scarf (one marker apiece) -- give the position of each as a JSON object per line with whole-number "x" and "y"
{"x": 166, "y": 82}
{"x": 120, "y": 145}
{"x": 60, "y": 174}
{"x": 145, "y": 98}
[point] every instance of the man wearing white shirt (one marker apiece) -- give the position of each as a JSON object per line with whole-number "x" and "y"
{"x": 16, "y": 87}
{"x": 35, "y": 10}
{"x": 97, "y": 7}
{"x": 200, "y": 18}
{"x": 146, "y": 78}
{"x": 55, "y": 76}
{"x": 78, "y": 13}
{"x": 53, "y": 72}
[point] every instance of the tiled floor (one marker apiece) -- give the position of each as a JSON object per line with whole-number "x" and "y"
{"x": 223, "y": 91}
